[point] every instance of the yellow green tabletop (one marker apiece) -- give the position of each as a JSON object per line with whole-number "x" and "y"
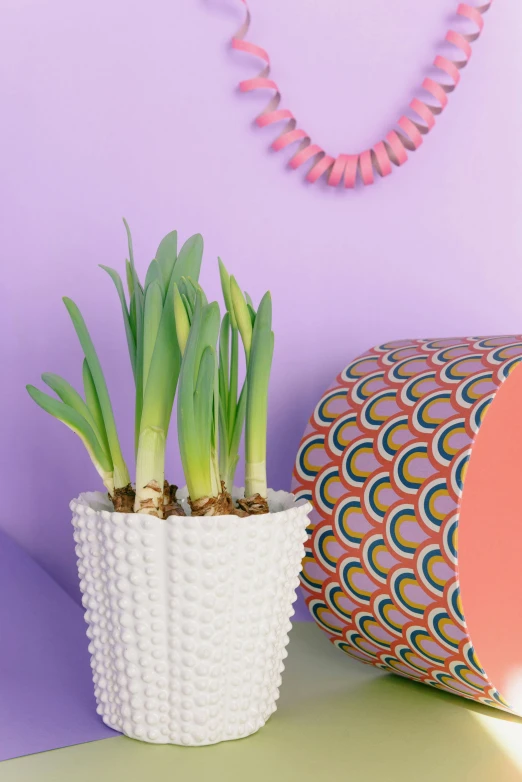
{"x": 337, "y": 719}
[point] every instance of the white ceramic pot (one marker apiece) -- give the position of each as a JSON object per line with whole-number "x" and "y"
{"x": 188, "y": 617}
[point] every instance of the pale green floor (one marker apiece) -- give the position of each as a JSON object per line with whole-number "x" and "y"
{"x": 337, "y": 720}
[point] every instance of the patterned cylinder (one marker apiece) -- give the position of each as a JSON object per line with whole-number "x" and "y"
{"x": 188, "y": 618}
{"x": 415, "y": 446}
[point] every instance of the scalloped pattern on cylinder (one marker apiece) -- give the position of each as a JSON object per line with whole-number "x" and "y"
{"x": 188, "y": 618}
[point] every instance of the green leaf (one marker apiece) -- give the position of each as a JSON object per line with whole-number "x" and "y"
{"x": 233, "y": 381}
{"x": 223, "y": 442}
{"x": 224, "y": 346}
{"x": 132, "y": 319}
{"x": 128, "y": 275}
{"x": 239, "y": 420}
{"x": 93, "y": 403}
{"x": 188, "y": 262}
{"x": 223, "y": 404}
{"x": 190, "y": 289}
{"x": 225, "y": 287}
{"x": 209, "y": 333}
{"x": 186, "y": 292}
{"x": 196, "y": 288}
{"x": 258, "y": 376}
{"x": 188, "y": 307}
{"x": 151, "y": 321}
{"x": 215, "y": 425}
{"x": 75, "y": 421}
{"x": 242, "y": 314}
{"x": 182, "y": 319}
{"x": 154, "y": 274}
{"x": 139, "y": 307}
{"x": 166, "y": 255}
{"x": 251, "y": 308}
{"x": 223, "y": 379}
{"x": 137, "y": 304}
{"x": 162, "y": 377}
{"x": 204, "y": 398}
{"x": 197, "y": 453}
{"x": 120, "y": 468}
{"x": 71, "y": 397}
{"x": 129, "y": 242}
{"x": 197, "y": 475}
{"x": 131, "y": 341}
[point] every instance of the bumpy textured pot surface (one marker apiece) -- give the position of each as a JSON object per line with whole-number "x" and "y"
{"x": 188, "y": 618}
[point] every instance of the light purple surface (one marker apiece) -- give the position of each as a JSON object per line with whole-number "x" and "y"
{"x": 115, "y": 108}
{"x": 46, "y": 689}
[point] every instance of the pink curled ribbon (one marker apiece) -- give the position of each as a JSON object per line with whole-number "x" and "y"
{"x": 393, "y": 149}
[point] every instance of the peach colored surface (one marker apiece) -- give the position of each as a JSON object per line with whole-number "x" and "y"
{"x": 490, "y": 541}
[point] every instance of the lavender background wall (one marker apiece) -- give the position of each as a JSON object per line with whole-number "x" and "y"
{"x": 116, "y": 107}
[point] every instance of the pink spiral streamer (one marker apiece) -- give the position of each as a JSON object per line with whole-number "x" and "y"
{"x": 390, "y": 151}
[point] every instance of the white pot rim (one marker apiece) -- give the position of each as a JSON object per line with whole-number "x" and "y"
{"x": 280, "y": 503}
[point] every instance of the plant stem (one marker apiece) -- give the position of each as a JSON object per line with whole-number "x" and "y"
{"x": 258, "y": 375}
{"x": 150, "y": 472}
{"x": 232, "y": 393}
{"x": 197, "y": 403}
{"x": 255, "y": 478}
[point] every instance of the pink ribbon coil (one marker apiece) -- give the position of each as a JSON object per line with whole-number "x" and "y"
{"x": 406, "y": 136}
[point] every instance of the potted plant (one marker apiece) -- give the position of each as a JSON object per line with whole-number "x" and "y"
{"x": 188, "y": 597}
